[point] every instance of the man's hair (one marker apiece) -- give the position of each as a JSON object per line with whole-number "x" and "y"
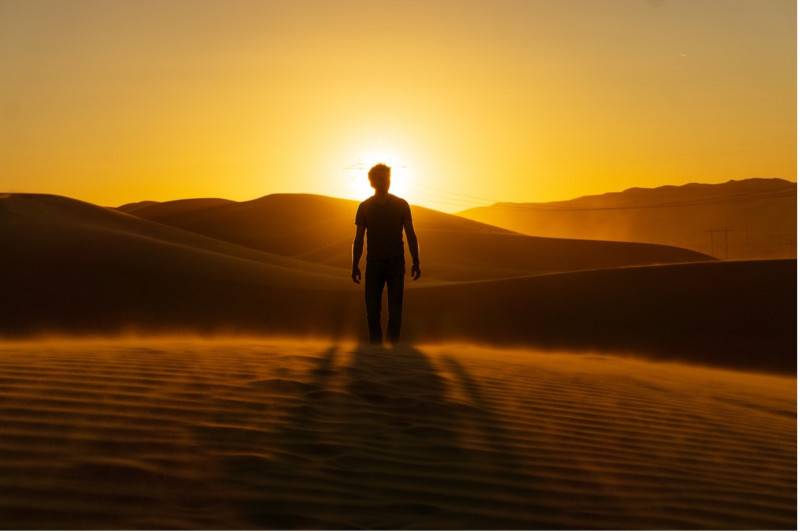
{"x": 379, "y": 171}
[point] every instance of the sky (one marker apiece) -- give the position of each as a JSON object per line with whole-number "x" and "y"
{"x": 470, "y": 102}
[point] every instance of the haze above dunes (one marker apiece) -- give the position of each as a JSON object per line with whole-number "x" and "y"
{"x": 78, "y": 268}
{"x": 759, "y": 213}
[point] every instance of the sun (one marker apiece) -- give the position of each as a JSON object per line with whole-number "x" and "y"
{"x": 358, "y": 182}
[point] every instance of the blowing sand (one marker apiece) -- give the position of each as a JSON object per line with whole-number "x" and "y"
{"x": 244, "y": 433}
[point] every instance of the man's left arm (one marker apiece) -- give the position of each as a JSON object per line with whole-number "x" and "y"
{"x": 413, "y": 244}
{"x": 358, "y": 243}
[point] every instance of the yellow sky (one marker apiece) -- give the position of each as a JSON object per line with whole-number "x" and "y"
{"x": 473, "y": 102}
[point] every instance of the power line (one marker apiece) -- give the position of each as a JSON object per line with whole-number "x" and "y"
{"x": 555, "y": 207}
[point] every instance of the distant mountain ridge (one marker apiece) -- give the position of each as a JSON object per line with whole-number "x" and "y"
{"x": 177, "y": 206}
{"x": 750, "y": 218}
{"x": 667, "y": 195}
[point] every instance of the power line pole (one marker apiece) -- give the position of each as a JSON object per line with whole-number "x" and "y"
{"x": 711, "y": 237}
{"x": 724, "y": 230}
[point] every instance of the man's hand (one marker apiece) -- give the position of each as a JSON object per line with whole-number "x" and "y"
{"x": 415, "y": 272}
{"x": 356, "y": 275}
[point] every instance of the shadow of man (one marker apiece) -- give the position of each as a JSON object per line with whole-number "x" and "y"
{"x": 374, "y": 440}
{"x": 407, "y": 446}
{"x": 404, "y": 401}
{"x": 366, "y": 436}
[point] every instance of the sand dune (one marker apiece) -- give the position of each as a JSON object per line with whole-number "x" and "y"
{"x": 734, "y": 314}
{"x": 171, "y": 208}
{"x": 78, "y": 268}
{"x": 41, "y": 228}
{"x": 759, "y": 213}
{"x": 320, "y": 229}
{"x": 255, "y": 433}
{"x": 576, "y": 430}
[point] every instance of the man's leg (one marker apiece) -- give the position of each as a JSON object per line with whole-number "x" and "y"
{"x": 373, "y": 290}
{"x": 394, "y": 282}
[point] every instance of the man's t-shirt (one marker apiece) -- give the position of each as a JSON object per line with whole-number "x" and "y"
{"x": 384, "y": 218}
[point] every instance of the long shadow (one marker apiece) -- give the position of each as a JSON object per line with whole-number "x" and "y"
{"x": 299, "y": 435}
{"x": 409, "y": 452}
{"x": 378, "y": 441}
{"x": 483, "y": 415}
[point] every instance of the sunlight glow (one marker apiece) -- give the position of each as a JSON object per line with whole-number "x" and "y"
{"x": 358, "y": 182}
{"x": 470, "y": 105}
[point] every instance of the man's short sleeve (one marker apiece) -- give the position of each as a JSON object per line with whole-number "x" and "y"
{"x": 406, "y": 212}
{"x": 361, "y": 216}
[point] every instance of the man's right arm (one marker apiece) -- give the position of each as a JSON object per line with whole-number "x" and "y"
{"x": 358, "y": 249}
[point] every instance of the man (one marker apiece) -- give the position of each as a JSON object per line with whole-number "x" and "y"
{"x": 383, "y": 217}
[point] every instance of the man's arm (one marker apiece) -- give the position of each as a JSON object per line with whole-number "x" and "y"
{"x": 413, "y": 246}
{"x": 358, "y": 249}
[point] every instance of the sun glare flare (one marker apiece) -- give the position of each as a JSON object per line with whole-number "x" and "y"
{"x": 358, "y": 181}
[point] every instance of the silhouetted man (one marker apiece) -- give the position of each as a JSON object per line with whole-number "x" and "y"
{"x": 383, "y": 217}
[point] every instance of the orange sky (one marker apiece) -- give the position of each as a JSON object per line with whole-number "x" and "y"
{"x": 473, "y": 102}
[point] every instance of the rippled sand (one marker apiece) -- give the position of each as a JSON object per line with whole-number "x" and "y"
{"x": 242, "y": 433}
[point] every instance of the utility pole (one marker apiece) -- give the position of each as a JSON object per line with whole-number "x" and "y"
{"x": 724, "y": 230}
{"x": 711, "y": 237}
{"x": 747, "y": 251}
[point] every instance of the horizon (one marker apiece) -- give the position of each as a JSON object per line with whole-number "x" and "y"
{"x": 453, "y": 212}
{"x": 523, "y": 102}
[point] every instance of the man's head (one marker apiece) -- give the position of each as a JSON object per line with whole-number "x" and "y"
{"x": 380, "y": 177}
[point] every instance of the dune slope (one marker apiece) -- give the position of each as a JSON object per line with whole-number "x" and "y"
{"x": 734, "y": 314}
{"x": 52, "y": 226}
{"x": 77, "y": 268}
{"x": 255, "y": 433}
{"x": 73, "y": 266}
{"x": 320, "y": 229}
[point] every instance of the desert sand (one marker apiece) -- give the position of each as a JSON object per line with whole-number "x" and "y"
{"x": 267, "y": 433}
{"x": 553, "y": 383}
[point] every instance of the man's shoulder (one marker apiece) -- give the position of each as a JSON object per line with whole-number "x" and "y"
{"x": 391, "y": 201}
{"x": 398, "y": 200}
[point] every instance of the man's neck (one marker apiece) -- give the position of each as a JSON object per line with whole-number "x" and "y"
{"x": 381, "y": 194}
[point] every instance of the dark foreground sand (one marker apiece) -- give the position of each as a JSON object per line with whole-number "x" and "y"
{"x": 254, "y": 433}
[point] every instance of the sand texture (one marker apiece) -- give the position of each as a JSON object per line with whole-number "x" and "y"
{"x": 244, "y": 433}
